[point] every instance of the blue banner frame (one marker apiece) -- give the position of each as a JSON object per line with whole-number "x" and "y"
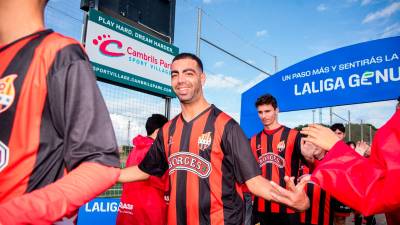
{"x": 360, "y": 73}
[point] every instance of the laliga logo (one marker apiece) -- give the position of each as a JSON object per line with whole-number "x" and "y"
{"x": 102, "y": 40}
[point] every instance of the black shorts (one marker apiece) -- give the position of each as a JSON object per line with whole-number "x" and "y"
{"x": 278, "y": 218}
{"x": 340, "y": 208}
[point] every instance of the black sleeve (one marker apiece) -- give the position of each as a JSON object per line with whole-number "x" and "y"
{"x": 236, "y": 143}
{"x": 155, "y": 163}
{"x": 79, "y": 113}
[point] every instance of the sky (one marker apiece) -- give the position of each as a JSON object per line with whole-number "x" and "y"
{"x": 258, "y": 30}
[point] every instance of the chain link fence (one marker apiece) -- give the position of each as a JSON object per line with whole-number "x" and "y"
{"x": 129, "y": 110}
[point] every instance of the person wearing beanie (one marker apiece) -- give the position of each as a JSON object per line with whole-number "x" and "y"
{"x": 143, "y": 202}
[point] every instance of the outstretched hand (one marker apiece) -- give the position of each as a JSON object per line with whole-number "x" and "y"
{"x": 320, "y": 136}
{"x": 294, "y": 196}
{"x": 363, "y": 148}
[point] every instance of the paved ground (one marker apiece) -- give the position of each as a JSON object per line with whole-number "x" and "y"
{"x": 380, "y": 220}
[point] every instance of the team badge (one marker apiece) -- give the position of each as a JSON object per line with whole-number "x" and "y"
{"x": 190, "y": 162}
{"x": 7, "y": 92}
{"x": 204, "y": 141}
{"x": 281, "y": 146}
{"x": 258, "y": 148}
{"x": 4, "y": 155}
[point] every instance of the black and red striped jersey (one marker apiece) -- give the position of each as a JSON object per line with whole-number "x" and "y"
{"x": 320, "y": 211}
{"x": 278, "y": 154}
{"x": 207, "y": 159}
{"x": 52, "y": 114}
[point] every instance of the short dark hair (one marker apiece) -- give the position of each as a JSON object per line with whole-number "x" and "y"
{"x": 338, "y": 126}
{"x": 267, "y": 99}
{"x": 155, "y": 122}
{"x": 186, "y": 55}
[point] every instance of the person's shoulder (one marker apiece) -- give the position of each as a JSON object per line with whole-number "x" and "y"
{"x": 292, "y": 130}
{"x": 64, "y": 48}
{"x": 221, "y": 115}
{"x": 58, "y": 38}
{"x": 168, "y": 124}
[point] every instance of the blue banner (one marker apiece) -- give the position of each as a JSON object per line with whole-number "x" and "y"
{"x": 365, "y": 72}
{"x": 99, "y": 211}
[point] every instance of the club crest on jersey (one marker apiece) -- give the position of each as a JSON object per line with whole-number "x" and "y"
{"x": 7, "y": 92}
{"x": 271, "y": 158}
{"x": 190, "y": 162}
{"x": 258, "y": 149}
{"x": 204, "y": 141}
{"x": 281, "y": 146}
{"x": 4, "y": 155}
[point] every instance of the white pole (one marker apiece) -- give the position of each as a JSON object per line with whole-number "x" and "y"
{"x": 199, "y": 12}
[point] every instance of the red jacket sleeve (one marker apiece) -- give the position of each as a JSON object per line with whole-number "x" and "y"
{"x": 366, "y": 185}
{"x": 65, "y": 196}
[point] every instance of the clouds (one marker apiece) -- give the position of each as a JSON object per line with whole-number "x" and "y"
{"x": 250, "y": 61}
{"x": 261, "y": 33}
{"x": 126, "y": 128}
{"x": 219, "y": 64}
{"x": 253, "y": 82}
{"x": 221, "y": 81}
{"x": 364, "y": 112}
{"x": 381, "y": 14}
{"x": 391, "y": 30}
{"x": 362, "y": 2}
{"x": 207, "y": 1}
{"x": 365, "y": 2}
{"x": 321, "y": 8}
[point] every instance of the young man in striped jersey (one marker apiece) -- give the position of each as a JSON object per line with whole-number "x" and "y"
{"x": 57, "y": 144}
{"x": 277, "y": 149}
{"x": 207, "y": 156}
